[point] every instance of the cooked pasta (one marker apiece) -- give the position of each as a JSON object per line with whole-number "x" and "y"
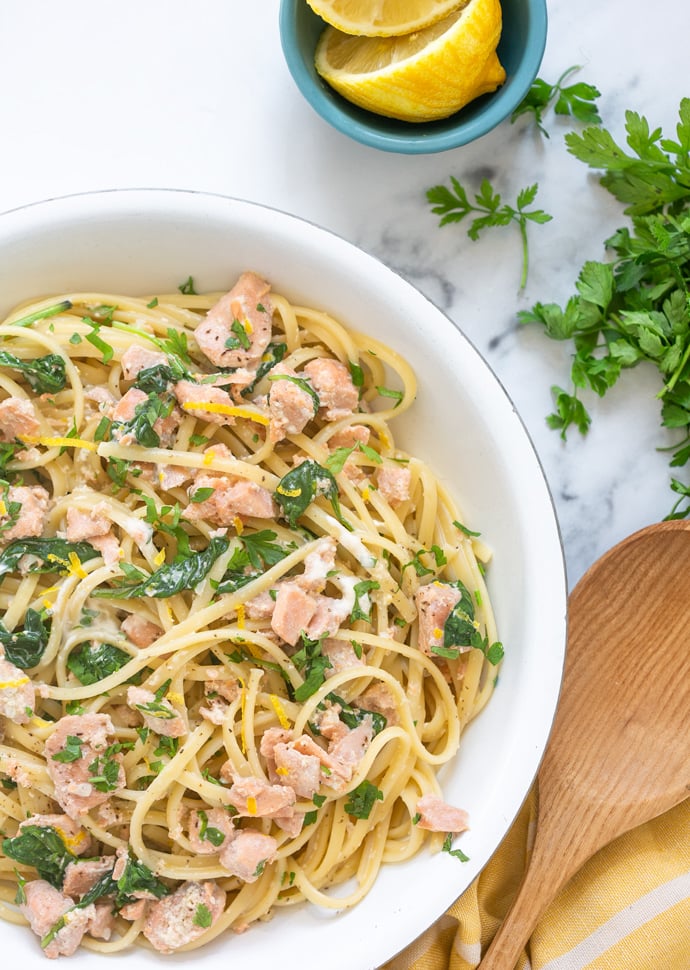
{"x": 241, "y": 629}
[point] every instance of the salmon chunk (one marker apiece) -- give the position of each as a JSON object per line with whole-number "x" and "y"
{"x": 141, "y": 632}
{"x": 80, "y": 877}
{"x": 44, "y": 906}
{"x": 255, "y": 797}
{"x": 333, "y": 384}
{"x": 136, "y": 359}
{"x": 108, "y": 546}
{"x": 394, "y": 482}
{"x": 209, "y": 829}
{"x": 318, "y": 564}
{"x": 434, "y": 604}
{"x": 125, "y": 409}
{"x": 17, "y": 693}
{"x": 173, "y": 921}
{"x": 232, "y": 496}
{"x": 299, "y": 771}
{"x": 189, "y": 395}
{"x": 341, "y": 654}
{"x": 33, "y": 501}
{"x": 158, "y": 714}
{"x": 247, "y": 306}
{"x": 437, "y": 816}
{"x": 294, "y": 608}
{"x": 290, "y": 407}
{"x": 77, "y": 753}
{"x": 17, "y": 418}
{"x": 248, "y": 854}
{"x": 350, "y": 437}
{"x": 85, "y": 524}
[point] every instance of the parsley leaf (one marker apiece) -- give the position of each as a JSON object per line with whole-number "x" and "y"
{"x": 207, "y": 833}
{"x": 576, "y": 100}
{"x": 71, "y": 750}
{"x": 202, "y": 916}
{"x": 362, "y": 589}
{"x": 362, "y": 799}
{"x": 93, "y": 662}
{"x": 187, "y": 288}
{"x": 453, "y": 205}
{"x": 456, "y": 853}
{"x": 313, "y": 665}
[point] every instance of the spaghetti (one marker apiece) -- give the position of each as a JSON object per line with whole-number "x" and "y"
{"x": 241, "y": 629}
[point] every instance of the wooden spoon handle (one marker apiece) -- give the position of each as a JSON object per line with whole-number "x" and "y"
{"x": 539, "y": 886}
{"x": 545, "y": 876}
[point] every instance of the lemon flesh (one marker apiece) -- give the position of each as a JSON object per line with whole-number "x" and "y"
{"x": 422, "y": 76}
{"x": 382, "y": 18}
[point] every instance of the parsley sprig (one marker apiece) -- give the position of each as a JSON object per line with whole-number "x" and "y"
{"x": 454, "y": 205}
{"x": 576, "y": 100}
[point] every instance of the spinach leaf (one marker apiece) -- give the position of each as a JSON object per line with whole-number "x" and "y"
{"x": 46, "y": 375}
{"x": 362, "y": 799}
{"x": 156, "y": 379}
{"x": 40, "y": 846}
{"x": 172, "y": 577}
{"x": 273, "y": 355}
{"x": 53, "y": 554}
{"x": 297, "y": 490}
{"x": 93, "y": 662}
{"x": 25, "y": 647}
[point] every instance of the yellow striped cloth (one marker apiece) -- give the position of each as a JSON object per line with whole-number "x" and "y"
{"x": 627, "y": 909}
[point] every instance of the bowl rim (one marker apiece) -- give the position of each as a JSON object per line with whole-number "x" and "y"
{"x": 327, "y": 104}
{"x": 76, "y": 208}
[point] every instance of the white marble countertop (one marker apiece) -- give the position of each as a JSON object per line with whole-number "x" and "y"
{"x": 166, "y": 93}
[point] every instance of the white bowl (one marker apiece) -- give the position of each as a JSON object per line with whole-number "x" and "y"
{"x": 144, "y": 241}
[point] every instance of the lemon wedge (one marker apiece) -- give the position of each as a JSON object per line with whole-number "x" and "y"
{"x": 382, "y": 18}
{"x": 422, "y": 76}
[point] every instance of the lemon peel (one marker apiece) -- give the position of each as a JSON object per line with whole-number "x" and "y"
{"x": 418, "y": 77}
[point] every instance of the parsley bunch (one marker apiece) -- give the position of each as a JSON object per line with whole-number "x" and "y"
{"x": 636, "y": 306}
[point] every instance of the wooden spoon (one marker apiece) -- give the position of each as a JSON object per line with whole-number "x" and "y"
{"x": 619, "y": 751}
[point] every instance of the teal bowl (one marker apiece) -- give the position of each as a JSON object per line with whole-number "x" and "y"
{"x": 520, "y": 50}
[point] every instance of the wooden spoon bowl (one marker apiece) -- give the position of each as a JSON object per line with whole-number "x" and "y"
{"x": 619, "y": 751}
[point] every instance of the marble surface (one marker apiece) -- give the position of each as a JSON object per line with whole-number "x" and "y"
{"x": 166, "y": 93}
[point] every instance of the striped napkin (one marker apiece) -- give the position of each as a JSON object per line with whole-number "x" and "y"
{"x": 627, "y": 909}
